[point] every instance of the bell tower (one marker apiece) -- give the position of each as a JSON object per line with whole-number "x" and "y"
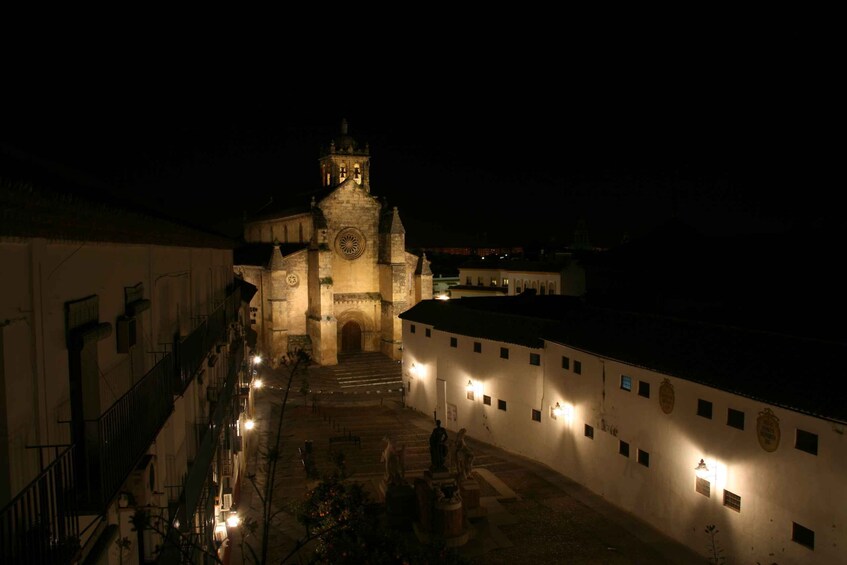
{"x": 344, "y": 159}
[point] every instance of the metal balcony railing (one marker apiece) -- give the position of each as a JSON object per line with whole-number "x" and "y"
{"x": 40, "y": 525}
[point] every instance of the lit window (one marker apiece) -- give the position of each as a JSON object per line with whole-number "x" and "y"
{"x": 626, "y": 383}
{"x": 732, "y": 500}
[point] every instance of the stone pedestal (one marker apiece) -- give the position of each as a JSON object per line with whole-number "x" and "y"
{"x": 441, "y": 516}
{"x": 400, "y": 505}
{"x": 469, "y": 489}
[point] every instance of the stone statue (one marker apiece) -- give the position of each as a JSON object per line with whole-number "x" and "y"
{"x": 462, "y": 456}
{"x": 438, "y": 447}
{"x": 395, "y": 471}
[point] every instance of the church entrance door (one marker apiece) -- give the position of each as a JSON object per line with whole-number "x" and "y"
{"x": 351, "y": 338}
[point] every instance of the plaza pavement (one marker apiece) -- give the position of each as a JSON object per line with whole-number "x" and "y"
{"x": 533, "y": 514}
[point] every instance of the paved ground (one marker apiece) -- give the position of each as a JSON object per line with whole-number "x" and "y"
{"x": 533, "y": 514}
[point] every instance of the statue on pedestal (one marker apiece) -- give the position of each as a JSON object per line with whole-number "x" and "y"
{"x": 395, "y": 473}
{"x": 462, "y": 456}
{"x": 438, "y": 447}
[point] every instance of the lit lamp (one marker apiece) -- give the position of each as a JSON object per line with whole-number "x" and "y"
{"x": 470, "y": 386}
{"x": 701, "y": 469}
{"x": 557, "y": 410}
{"x": 250, "y": 424}
{"x": 233, "y": 520}
{"x": 258, "y": 383}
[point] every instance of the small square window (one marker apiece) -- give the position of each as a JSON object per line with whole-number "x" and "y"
{"x": 477, "y": 347}
{"x": 412, "y": 328}
{"x": 501, "y": 405}
{"x": 735, "y": 418}
{"x": 626, "y": 383}
{"x": 577, "y": 367}
{"x": 623, "y": 448}
{"x": 428, "y": 332}
{"x": 589, "y": 431}
{"x": 806, "y": 441}
{"x": 534, "y": 359}
{"x": 644, "y": 458}
{"x": 504, "y": 353}
{"x": 644, "y": 389}
{"x": 454, "y": 342}
{"x": 802, "y": 535}
{"x": 704, "y": 408}
{"x": 566, "y": 362}
{"x": 536, "y": 415}
{"x": 486, "y": 400}
{"x": 470, "y": 395}
{"x": 704, "y": 487}
{"x": 732, "y": 500}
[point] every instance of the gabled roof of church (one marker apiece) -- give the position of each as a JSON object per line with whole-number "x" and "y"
{"x": 261, "y": 254}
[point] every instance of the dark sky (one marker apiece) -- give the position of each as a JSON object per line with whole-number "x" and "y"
{"x": 728, "y": 129}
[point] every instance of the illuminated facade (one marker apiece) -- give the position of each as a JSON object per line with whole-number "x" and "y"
{"x": 332, "y": 270}
{"x": 628, "y": 405}
{"x": 122, "y": 382}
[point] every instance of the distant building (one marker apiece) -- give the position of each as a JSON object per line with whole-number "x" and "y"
{"x": 493, "y": 276}
{"x": 124, "y": 385}
{"x": 679, "y": 422}
{"x": 331, "y": 265}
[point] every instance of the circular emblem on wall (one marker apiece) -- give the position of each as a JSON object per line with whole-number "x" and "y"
{"x": 767, "y": 430}
{"x": 292, "y": 279}
{"x": 350, "y": 243}
{"x": 666, "y": 396}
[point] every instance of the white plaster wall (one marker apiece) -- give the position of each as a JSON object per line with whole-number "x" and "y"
{"x": 776, "y": 488}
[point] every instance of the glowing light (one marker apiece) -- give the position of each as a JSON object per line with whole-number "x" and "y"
{"x": 414, "y": 370}
{"x": 558, "y": 411}
{"x": 442, "y": 297}
{"x": 220, "y": 527}
{"x": 250, "y": 424}
{"x": 233, "y": 520}
{"x": 701, "y": 469}
{"x": 257, "y": 383}
{"x": 257, "y": 359}
{"x": 470, "y": 386}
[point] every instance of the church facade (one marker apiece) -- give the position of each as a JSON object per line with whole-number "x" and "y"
{"x": 331, "y": 267}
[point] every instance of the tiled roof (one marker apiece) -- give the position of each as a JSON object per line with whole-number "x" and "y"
{"x": 801, "y": 374}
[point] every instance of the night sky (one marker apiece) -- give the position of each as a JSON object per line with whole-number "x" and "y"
{"x": 725, "y": 129}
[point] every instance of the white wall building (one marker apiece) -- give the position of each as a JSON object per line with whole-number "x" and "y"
{"x": 491, "y": 276}
{"x": 628, "y": 405}
{"x": 121, "y": 364}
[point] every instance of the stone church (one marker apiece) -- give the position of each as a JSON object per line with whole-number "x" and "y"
{"x": 330, "y": 265}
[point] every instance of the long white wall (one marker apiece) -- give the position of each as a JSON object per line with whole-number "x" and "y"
{"x": 776, "y": 488}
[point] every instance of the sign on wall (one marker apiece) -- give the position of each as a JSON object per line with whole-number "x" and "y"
{"x": 767, "y": 430}
{"x": 666, "y": 396}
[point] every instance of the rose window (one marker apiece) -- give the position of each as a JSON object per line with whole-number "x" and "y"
{"x": 350, "y": 243}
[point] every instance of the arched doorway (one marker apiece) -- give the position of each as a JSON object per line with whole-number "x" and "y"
{"x": 351, "y": 337}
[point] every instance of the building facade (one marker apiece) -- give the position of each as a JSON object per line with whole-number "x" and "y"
{"x": 682, "y": 424}
{"x": 491, "y": 276}
{"x": 123, "y": 382}
{"x": 331, "y": 267}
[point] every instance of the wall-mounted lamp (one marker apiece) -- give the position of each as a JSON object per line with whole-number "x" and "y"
{"x": 557, "y": 410}
{"x": 257, "y": 383}
{"x": 233, "y": 520}
{"x": 257, "y": 359}
{"x": 701, "y": 469}
{"x": 250, "y": 424}
{"x": 470, "y": 386}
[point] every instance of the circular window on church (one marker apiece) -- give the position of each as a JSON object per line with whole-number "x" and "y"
{"x": 350, "y": 243}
